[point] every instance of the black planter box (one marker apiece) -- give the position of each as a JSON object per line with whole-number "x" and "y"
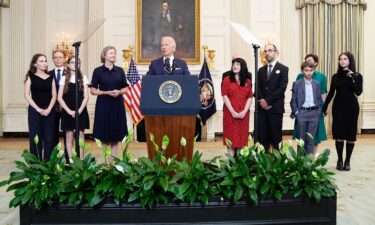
{"x": 287, "y": 211}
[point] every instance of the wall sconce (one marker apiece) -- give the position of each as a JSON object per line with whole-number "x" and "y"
{"x": 128, "y": 56}
{"x": 210, "y": 54}
{"x": 63, "y": 44}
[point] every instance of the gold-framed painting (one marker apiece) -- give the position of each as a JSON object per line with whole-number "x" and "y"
{"x": 4, "y": 3}
{"x": 177, "y": 18}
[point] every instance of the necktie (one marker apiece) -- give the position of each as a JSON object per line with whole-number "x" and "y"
{"x": 269, "y": 71}
{"x": 58, "y": 77}
{"x": 167, "y": 65}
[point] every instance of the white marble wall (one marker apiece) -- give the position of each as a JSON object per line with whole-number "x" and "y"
{"x": 31, "y": 26}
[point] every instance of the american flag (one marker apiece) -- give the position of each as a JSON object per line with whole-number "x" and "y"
{"x": 132, "y": 95}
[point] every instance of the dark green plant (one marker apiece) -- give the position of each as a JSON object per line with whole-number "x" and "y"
{"x": 112, "y": 177}
{"x": 36, "y": 182}
{"x": 252, "y": 176}
{"x": 151, "y": 178}
{"x": 191, "y": 180}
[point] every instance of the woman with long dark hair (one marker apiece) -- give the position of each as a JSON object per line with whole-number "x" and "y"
{"x": 346, "y": 85}
{"x": 236, "y": 90}
{"x": 67, "y": 100}
{"x": 40, "y": 94}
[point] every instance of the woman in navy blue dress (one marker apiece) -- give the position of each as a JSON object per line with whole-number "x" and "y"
{"x": 109, "y": 83}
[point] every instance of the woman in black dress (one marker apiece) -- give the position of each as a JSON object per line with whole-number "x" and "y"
{"x": 346, "y": 85}
{"x": 40, "y": 94}
{"x": 66, "y": 98}
{"x": 109, "y": 84}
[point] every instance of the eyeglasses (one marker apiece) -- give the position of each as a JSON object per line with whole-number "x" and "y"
{"x": 268, "y": 50}
{"x": 72, "y": 63}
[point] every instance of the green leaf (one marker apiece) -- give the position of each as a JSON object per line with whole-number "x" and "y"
{"x": 81, "y": 144}
{"x": 183, "y": 142}
{"x": 133, "y": 196}
{"x": 278, "y": 194}
{"x": 317, "y": 195}
{"x": 95, "y": 199}
{"x": 165, "y": 142}
{"x": 297, "y": 193}
{"x": 254, "y": 196}
{"x": 264, "y": 188}
{"x": 28, "y": 196}
{"x": 227, "y": 182}
{"x": 74, "y": 153}
{"x": 38, "y": 201}
{"x": 184, "y": 187}
{"x": 15, "y": 176}
{"x": 228, "y": 143}
{"x": 308, "y": 191}
{"x": 98, "y": 143}
{"x": 72, "y": 198}
{"x": 15, "y": 201}
{"x": 36, "y": 140}
{"x": 164, "y": 182}
{"x": 107, "y": 151}
{"x": 148, "y": 184}
{"x": 238, "y": 194}
{"x": 203, "y": 198}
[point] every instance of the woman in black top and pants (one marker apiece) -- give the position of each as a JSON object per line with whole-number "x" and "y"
{"x": 347, "y": 84}
{"x": 40, "y": 94}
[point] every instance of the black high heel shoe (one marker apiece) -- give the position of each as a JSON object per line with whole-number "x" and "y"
{"x": 347, "y": 165}
{"x": 339, "y": 165}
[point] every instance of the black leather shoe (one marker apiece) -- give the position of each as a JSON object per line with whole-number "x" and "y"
{"x": 339, "y": 165}
{"x": 347, "y": 166}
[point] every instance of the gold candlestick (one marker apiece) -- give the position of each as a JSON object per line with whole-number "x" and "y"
{"x": 127, "y": 56}
{"x": 205, "y": 48}
{"x": 211, "y": 56}
{"x": 132, "y": 53}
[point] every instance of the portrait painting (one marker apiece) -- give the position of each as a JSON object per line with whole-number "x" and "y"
{"x": 4, "y": 3}
{"x": 179, "y": 19}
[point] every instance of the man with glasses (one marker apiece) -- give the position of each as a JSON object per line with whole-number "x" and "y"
{"x": 58, "y": 59}
{"x": 273, "y": 80}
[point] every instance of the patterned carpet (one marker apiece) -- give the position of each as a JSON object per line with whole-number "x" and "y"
{"x": 356, "y": 197}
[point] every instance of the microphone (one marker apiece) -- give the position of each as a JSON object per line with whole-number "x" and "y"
{"x": 174, "y": 65}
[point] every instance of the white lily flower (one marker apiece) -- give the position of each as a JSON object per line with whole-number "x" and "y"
{"x": 120, "y": 168}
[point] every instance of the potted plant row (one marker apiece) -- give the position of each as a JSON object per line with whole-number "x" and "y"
{"x": 256, "y": 187}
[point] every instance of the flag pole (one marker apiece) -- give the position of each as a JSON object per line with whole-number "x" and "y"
{"x": 256, "y": 112}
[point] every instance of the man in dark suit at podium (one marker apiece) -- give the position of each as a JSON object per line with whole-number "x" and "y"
{"x": 273, "y": 80}
{"x": 168, "y": 64}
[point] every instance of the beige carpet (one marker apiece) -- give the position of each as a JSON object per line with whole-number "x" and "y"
{"x": 356, "y": 197}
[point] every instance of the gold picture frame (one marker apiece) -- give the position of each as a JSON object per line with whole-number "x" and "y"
{"x": 5, "y": 3}
{"x": 183, "y": 24}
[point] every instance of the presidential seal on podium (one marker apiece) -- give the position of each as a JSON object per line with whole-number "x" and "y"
{"x": 170, "y": 91}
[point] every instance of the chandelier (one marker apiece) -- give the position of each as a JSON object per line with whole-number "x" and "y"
{"x": 63, "y": 43}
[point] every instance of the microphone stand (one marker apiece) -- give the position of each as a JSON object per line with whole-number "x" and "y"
{"x": 76, "y": 45}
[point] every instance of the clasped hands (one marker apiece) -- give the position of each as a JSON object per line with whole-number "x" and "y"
{"x": 239, "y": 115}
{"x": 114, "y": 93}
{"x": 263, "y": 103}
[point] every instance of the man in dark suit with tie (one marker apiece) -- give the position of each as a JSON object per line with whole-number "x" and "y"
{"x": 168, "y": 64}
{"x": 273, "y": 80}
{"x": 58, "y": 58}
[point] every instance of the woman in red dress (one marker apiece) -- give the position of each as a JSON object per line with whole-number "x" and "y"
{"x": 237, "y": 93}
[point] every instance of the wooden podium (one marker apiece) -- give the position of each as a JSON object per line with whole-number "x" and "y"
{"x": 170, "y": 105}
